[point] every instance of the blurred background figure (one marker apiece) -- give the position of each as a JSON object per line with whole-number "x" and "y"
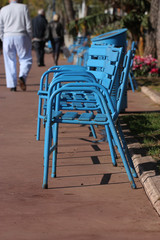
{"x": 56, "y": 36}
{"x": 39, "y": 25}
{"x": 16, "y": 34}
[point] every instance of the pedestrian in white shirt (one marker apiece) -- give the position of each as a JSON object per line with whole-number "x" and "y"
{"x": 16, "y": 34}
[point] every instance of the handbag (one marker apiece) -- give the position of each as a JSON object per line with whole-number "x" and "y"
{"x": 66, "y": 52}
{"x": 47, "y": 35}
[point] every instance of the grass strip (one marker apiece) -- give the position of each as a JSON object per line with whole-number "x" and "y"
{"x": 146, "y": 128}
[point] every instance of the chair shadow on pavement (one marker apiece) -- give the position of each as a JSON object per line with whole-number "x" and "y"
{"x": 79, "y": 180}
{"x": 102, "y": 182}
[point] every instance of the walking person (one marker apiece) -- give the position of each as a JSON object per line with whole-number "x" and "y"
{"x": 39, "y": 25}
{"x": 16, "y": 34}
{"x": 56, "y": 31}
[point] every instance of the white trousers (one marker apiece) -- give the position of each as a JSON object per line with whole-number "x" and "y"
{"x": 14, "y": 46}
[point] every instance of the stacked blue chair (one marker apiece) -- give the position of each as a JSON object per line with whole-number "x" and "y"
{"x": 117, "y": 100}
{"x": 118, "y": 39}
{"x": 131, "y": 78}
{"x": 103, "y": 113}
{"x": 47, "y": 78}
{"x": 103, "y": 67}
{"x": 88, "y": 101}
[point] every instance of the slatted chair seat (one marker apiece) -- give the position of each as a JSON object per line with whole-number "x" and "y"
{"x": 90, "y": 105}
{"x": 79, "y": 105}
{"x": 79, "y": 117}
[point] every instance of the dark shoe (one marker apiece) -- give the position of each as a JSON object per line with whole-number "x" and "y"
{"x": 22, "y": 83}
{"x": 41, "y": 65}
{"x": 13, "y": 89}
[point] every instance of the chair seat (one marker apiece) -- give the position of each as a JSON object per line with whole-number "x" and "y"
{"x": 98, "y": 117}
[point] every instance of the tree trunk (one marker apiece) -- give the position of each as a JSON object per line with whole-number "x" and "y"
{"x": 158, "y": 36}
{"x": 150, "y": 47}
{"x": 68, "y": 4}
{"x": 49, "y": 11}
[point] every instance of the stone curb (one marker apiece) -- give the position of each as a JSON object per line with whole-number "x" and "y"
{"x": 152, "y": 95}
{"x": 148, "y": 178}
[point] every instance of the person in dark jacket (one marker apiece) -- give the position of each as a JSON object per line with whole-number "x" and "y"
{"x": 56, "y": 36}
{"x": 39, "y": 25}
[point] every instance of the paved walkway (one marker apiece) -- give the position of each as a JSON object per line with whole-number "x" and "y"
{"x": 90, "y": 199}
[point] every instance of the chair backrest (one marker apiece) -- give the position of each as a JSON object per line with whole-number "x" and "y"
{"x": 123, "y": 80}
{"x": 104, "y": 63}
{"x": 133, "y": 49}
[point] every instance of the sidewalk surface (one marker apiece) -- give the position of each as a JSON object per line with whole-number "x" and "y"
{"x": 89, "y": 199}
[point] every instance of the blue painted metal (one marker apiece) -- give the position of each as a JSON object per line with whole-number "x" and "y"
{"x": 132, "y": 79}
{"x": 105, "y": 107}
{"x": 116, "y": 38}
{"x": 119, "y": 103}
{"x": 102, "y": 67}
{"x": 58, "y": 95}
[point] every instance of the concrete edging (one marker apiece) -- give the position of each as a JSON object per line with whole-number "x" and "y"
{"x": 148, "y": 178}
{"x": 153, "y": 96}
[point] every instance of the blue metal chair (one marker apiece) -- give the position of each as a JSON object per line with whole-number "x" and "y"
{"x": 54, "y": 101}
{"x": 103, "y": 63}
{"x": 45, "y": 83}
{"x": 120, "y": 94}
{"x": 104, "y": 116}
{"x": 68, "y": 101}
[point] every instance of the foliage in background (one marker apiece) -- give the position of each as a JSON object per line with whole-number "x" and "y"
{"x": 93, "y": 6}
{"x": 34, "y": 5}
{"x": 96, "y": 20}
{"x": 132, "y": 16}
{"x": 135, "y": 19}
{"x": 95, "y": 24}
{"x": 145, "y": 66}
